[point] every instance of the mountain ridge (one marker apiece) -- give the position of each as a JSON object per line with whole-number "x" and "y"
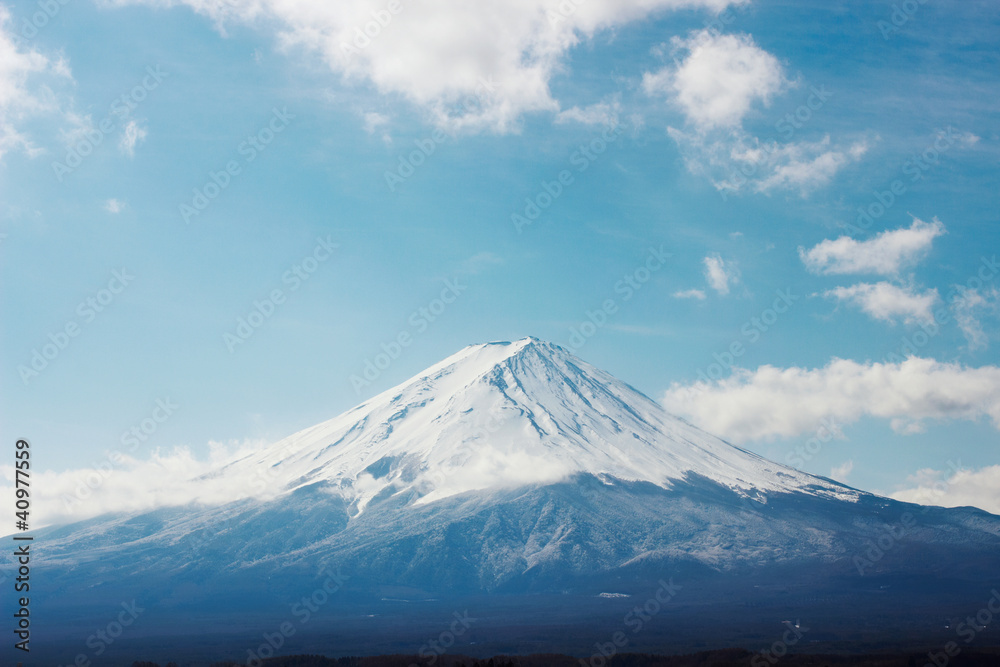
{"x": 401, "y": 496}
{"x": 504, "y": 414}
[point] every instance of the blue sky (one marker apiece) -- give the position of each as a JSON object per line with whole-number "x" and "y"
{"x": 649, "y": 110}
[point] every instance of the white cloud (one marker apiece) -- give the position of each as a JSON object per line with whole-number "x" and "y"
{"x": 114, "y": 206}
{"x": 968, "y": 139}
{"x": 969, "y": 307}
{"x": 480, "y": 262}
{"x": 717, "y": 83}
{"x": 23, "y": 96}
{"x": 842, "y": 472}
{"x": 885, "y": 254}
{"x": 735, "y": 161}
{"x": 690, "y": 294}
{"x": 132, "y": 136}
{"x": 770, "y": 401}
{"x": 720, "y": 274}
{"x": 374, "y": 120}
{"x": 955, "y": 488}
{"x": 601, "y": 113}
{"x": 719, "y": 80}
{"x": 468, "y": 65}
{"x": 887, "y": 302}
{"x": 807, "y": 166}
{"x": 121, "y": 483}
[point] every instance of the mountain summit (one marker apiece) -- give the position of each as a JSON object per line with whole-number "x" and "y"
{"x": 510, "y": 414}
{"x": 520, "y": 482}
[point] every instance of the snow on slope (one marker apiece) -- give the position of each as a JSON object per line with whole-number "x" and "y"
{"x": 506, "y": 415}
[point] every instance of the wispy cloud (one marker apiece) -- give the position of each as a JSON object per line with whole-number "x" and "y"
{"x": 690, "y": 294}
{"x": 720, "y": 274}
{"x": 601, "y": 113}
{"x": 114, "y": 206}
{"x": 970, "y": 306}
{"x": 480, "y": 262}
{"x": 23, "y": 92}
{"x": 842, "y": 472}
{"x": 132, "y": 135}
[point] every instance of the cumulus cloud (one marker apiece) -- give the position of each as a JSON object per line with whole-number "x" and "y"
{"x": 771, "y": 401}
{"x": 468, "y": 65}
{"x": 719, "y": 80}
{"x": 887, "y": 302}
{"x": 885, "y": 254}
{"x": 720, "y": 274}
{"x": 23, "y": 93}
{"x": 957, "y": 487}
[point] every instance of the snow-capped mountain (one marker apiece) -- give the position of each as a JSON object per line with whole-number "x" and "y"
{"x": 511, "y": 470}
{"x": 504, "y": 415}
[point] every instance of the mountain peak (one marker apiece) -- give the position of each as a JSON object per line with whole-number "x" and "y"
{"x": 508, "y": 414}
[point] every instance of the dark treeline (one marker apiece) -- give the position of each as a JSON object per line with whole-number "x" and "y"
{"x": 722, "y": 658}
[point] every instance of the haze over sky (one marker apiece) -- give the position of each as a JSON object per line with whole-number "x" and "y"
{"x": 669, "y": 188}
